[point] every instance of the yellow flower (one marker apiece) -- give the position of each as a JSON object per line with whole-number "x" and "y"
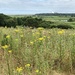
{"x": 44, "y": 36}
{"x": 40, "y": 39}
{"x": 37, "y": 71}
{"x": 5, "y": 47}
{"x": 27, "y": 65}
{"x": 40, "y": 28}
{"x": 8, "y": 36}
{"x": 19, "y": 69}
{"x": 10, "y": 51}
{"x": 61, "y": 32}
{"x": 31, "y": 43}
{"x": 16, "y": 30}
{"x": 21, "y": 35}
{"x": 16, "y": 39}
{"x": 37, "y": 33}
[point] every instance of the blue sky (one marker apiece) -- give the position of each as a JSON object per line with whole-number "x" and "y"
{"x": 36, "y": 6}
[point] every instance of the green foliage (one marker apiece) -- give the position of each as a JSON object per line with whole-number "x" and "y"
{"x": 2, "y": 16}
{"x": 4, "y": 41}
{"x": 23, "y": 21}
{"x": 7, "y": 21}
{"x": 70, "y": 20}
{"x": 29, "y": 21}
{"x": 32, "y": 22}
{"x": 3, "y": 19}
{"x": 19, "y": 21}
{"x": 45, "y": 24}
{"x": 63, "y": 26}
{"x": 53, "y": 26}
{"x": 11, "y": 22}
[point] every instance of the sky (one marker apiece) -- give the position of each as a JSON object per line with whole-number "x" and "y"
{"x": 36, "y": 6}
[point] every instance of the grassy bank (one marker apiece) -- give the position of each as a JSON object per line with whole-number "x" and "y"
{"x": 27, "y": 51}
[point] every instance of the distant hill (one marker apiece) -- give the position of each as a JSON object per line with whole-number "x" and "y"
{"x": 56, "y": 14}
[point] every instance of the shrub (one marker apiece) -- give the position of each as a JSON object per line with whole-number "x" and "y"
{"x": 45, "y": 24}
{"x": 70, "y": 20}
{"x": 63, "y": 26}
{"x": 53, "y": 26}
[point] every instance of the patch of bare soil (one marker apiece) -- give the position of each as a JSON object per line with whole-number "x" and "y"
{"x": 57, "y": 73}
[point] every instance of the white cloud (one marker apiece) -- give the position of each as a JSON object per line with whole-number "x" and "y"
{"x": 37, "y": 6}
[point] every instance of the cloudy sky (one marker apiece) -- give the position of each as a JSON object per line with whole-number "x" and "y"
{"x": 36, "y": 6}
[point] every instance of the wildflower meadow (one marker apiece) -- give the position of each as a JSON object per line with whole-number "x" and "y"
{"x": 38, "y": 51}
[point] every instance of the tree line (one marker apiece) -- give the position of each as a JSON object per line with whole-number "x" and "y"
{"x": 19, "y": 21}
{"x": 56, "y": 14}
{"x": 8, "y": 21}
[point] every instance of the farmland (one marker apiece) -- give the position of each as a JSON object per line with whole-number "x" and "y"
{"x": 38, "y": 51}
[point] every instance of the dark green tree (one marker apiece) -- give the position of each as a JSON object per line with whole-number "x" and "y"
{"x": 70, "y": 20}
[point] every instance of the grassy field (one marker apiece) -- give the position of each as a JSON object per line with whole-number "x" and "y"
{"x": 58, "y": 20}
{"x": 47, "y": 18}
{"x": 55, "y": 18}
{"x": 27, "y": 51}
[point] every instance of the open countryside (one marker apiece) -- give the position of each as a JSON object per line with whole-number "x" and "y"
{"x": 37, "y": 45}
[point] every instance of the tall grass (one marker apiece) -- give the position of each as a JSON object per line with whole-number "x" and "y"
{"x": 27, "y": 51}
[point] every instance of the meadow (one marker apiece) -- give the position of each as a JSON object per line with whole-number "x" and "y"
{"x": 38, "y": 51}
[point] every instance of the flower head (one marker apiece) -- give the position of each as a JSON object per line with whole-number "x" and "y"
{"x": 21, "y": 36}
{"x": 40, "y": 28}
{"x": 16, "y": 30}
{"x": 37, "y": 71}
{"x": 10, "y": 51}
{"x": 31, "y": 43}
{"x": 27, "y": 65}
{"x": 16, "y": 39}
{"x": 41, "y": 38}
{"x": 19, "y": 69}
{"x": 5, "y": 46}
{"x": 8, "y": 36}
{"x": 61, "y": 32}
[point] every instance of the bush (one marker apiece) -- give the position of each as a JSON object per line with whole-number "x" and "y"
{"x": 11, "y": 22}
{"x": 31, "y": 22}
{"x": 70, "y": 20}
{"x": 45, "y": 24}
{"x": 53, "y": 26}
{"x": 3, "y": 19}
{"x": 63, "y": 26}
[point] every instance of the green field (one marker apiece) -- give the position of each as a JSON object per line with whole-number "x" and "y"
{"x": 38, "y": 51}
{"x": 58, "y": 19}
{"x": 54, "y": 18}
